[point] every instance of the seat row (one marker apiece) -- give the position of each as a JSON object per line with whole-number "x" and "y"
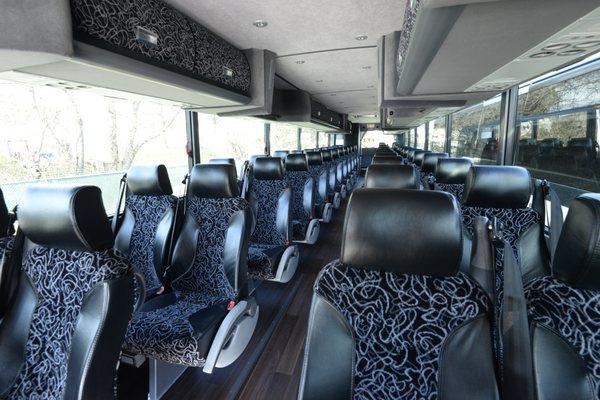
{"x": 69, "y": 282}
{"x": 456, "y": 291}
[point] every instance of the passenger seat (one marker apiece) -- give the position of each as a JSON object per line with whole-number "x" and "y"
{"x": 148, "y": 221}
{"x": 391, "y": 176}
{"x": 394, "y": 318}
{"x": 272, "y": 256}
{"x": 61, "y": 338}
{"x": 323, "y": 208}
{"x": 305, "y": 227}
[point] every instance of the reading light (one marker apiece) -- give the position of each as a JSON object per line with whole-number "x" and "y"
{"x": 361, "y": 38}
{"x": 259, "y": 23}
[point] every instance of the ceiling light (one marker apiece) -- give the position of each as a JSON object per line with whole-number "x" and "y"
{"x": 573, "y": 52}
{"x": 300, "y": 62}
{"x": 361, "y": 37}
{"x": 259, "y": 23}
{"x": 586, "y": 45}
{"x": 542, "y": 54}
{"x": 366, "y": 67}
{"x": 555, "y": 46}
{"x": 319, "y": 81}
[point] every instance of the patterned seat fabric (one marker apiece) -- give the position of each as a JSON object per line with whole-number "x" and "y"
{"x": 383, "y": 323}
{"x": 455, "y": 189}
{"x": 267, "y": 238}
{"x": 174, "y": 328}
{"x": 297, "y": 176}
{"x": 148, "y": 220}
{"x": 67, "y": 269}
{"x": 410, "y": 328}
{"x": 566, "y": 306}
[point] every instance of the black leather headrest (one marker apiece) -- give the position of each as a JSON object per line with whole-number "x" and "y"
{"x": 577, "y": 257}
{"x": 222, "y": 161}
{"x": 213, "y": 181}
{"x": 65, "y": 217}
{"x": 430, "y": 161}
{"x": 335, "y": 154}
{"x": 452, "y": 170}
{"x": 327, "y": 156}
{"x": 314, "y": 157}
{"x": 280, "y": 153}
{"x": 497, "y": 187}
{"x": 403, "y": 231}
{"x": 149, "y": 180}
{"x": 392, "y": 176}
{"x": 269, "y": 168}
{"x": 296, "y": 162}
{"x": 419, "y": 156}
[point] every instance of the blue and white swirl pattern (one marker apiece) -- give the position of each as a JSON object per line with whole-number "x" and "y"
{"x": 573, "y": 313}
{"x": 62, "y": 279}
{"x": 267, "y": 197}
{"x": 400, "y": 323}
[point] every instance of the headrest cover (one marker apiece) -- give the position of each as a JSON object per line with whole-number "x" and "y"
{"x": 149, "y": 180}
{"x": 391, "y": 176}
{"x": 314, "y": 157}
{"x": 419, "y": 156}
{"x": 280, "y": 153}
{"x": 395, "y": 230}
{"x": 213, "y": 181}
{"x": 430, "y": 161}
{"x": 268, "y": 168}
{"x": 65, "y": 217}
{"x": 452, "y": 170}
{"x": 222, "y": 161}
{"x": 497, "y": 187}
{"x": 296, "y": 162}
{"x": 577, "y": 257}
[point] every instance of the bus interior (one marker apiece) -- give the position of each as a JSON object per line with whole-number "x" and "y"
{"x": 276, "y": 199}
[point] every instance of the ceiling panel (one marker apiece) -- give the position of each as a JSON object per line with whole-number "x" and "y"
{"x": 296, "y": 26}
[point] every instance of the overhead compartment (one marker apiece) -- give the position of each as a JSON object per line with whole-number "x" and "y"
{"x": 298, "y": 108}
{"x": 142, "y": 47}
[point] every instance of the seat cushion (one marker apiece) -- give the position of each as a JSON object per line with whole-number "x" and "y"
{"x": 263, "y": 261}
{"x": 400, "y": 323}
{"x": 177, "y": 328}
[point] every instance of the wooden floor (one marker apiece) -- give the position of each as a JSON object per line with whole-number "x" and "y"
{"x": 271, "y": 365}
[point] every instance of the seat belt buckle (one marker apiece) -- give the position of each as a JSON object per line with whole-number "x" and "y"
{"x": 231, "y": 305}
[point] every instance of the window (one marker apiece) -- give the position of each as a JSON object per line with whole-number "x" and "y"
{"x": 338, "y": 140}
{"x": 371, "y": 139}
{"x": 49, "y": 134}
{"x": 420, "y": 137}
{"x": 437, "y": 135}
{"x": 283, "y": 137}
{"x": 475, "y": 132}
{"x": 308, "y": 138}
{"x": 323, "y": 139}
{"x": 558, "y": 120}
{"x": 229, "y": 137}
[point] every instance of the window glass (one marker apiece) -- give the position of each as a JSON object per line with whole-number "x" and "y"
{"x": 229, "y": 137}
{"x": 421, "y": 137}
{"x": 283, "y": 137}
{"x": 475, "y": 132}
{"x": 49, "y": 134}
{"x": 308, "y": 138}
{"x": 558, "y": 120}
{"x": 323, "y": 139}
{"x": 437, "y": 135}
{"x": 371, "y": 139}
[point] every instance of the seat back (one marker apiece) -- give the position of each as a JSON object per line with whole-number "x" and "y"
{"x": 503, "y": 193}
{"x": 450, "y": 175}
{"x": 302, "y": 185}
{"x": 369, "y": 337}
{"x": 428, "y": 167}
{"x": 210, "y": 255}
{"x": 564, "y": 310}
{"x": 320, "y": 174}
{"x": 62, "y": 336}
{"x": 273, "y": 198}
{"x": 148, "y": 221}
{"x": 390, "y": 176}
{"x": 281, "y": 153}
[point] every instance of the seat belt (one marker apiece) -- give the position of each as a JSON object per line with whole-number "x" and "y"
{"x": 556, "y": 217}
{"x": 166, "y": 278}
{"x": 517, "y": 373}
{"x": 116, "y": 218}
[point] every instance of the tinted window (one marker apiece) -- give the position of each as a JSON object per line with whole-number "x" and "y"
{"x": 475, "y": 132}
{"x": 283, "y": 137}
{"x": 437, "y": 135}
